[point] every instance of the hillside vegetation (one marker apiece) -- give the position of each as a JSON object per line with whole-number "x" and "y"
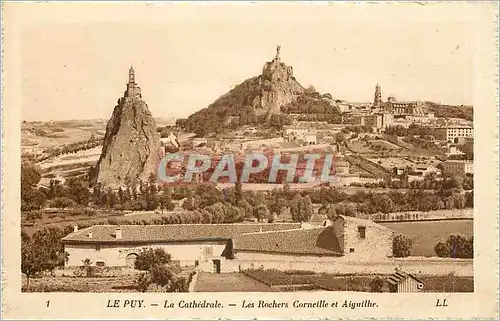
{"x": 449, "y": 111}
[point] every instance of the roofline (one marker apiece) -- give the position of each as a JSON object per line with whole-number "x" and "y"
{"x": 372, "y": 223}
{"x": 337, "y": 254}
{"x": 122, "y": 241}
{"x": 279, "y": 231}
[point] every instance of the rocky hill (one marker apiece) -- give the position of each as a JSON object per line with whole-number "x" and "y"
{"x": 253, "y": 101}
{"x": 450, "y": 111}
{"x": 131, "y": 147}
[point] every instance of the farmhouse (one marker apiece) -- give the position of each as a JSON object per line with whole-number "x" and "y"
{"x": 113, "y": 245}
{"x": 215, "y": 247}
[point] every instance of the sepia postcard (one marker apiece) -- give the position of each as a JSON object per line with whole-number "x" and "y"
{"x": 250, "y": 160}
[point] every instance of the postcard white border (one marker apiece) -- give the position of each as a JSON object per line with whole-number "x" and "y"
{"x": 483, "y": 303}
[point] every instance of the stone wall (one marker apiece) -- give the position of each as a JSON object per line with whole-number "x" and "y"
{"x": 376, "y": 243}
{"x": 423, "y": 266}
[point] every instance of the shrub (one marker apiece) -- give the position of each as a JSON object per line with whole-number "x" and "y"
{"x": 376, "y": 284}
{"x": 150, "y": 258}
{"x": 401, "y": 246}
{"x": 34, "y": 215}
{"x": 112, "y": 221}
{"x": 62, "y": 202}
{"x": 456, "y": 246}
{"x": 143, "y": 281}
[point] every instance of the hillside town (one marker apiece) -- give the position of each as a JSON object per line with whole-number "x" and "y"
{"x": 397, "y": 213}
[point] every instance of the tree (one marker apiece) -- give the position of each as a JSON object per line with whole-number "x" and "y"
{"x": 340, "y": 137}
{"x": 456, "y": 246}
{"x": 31, "y": 198}
{"x": 30, "y": 261}
{"x": 150, "y": 257}
{"x": 401, "y": 246}
{"x": 162, "y": 275}
{"x": 261, "y": 212}
{"x": 30, "y": 176}
{"x": 159, "y": 270}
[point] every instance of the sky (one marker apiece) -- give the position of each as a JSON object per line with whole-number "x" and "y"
{"x": 74, "y": 57}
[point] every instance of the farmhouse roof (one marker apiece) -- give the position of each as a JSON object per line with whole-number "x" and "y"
{"x": 314, "y": 241}
{"x": 170, "y": 233}
{"x": 400, "y": 276}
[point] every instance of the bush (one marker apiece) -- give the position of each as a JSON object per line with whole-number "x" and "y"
{"x": 401, "y": 246}
{"x": 62, "y": 202}
{"x": 34, "y": 215}
{"x": 456, "y": 246}
{"x": 150, "y": 258}
{"x": 376, "y": 284}
{"x": 112, "y": 221}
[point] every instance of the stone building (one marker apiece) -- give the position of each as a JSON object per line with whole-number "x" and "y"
{"x": 345, "y": 238}
{"x": 133, "y": 90}
{"x": 218, "y": 247}
{"x": 189, "y": 244}
{"x": 449, "y": 133}
{"x": 458, "y": 167}
{"x": 405, "y": 107}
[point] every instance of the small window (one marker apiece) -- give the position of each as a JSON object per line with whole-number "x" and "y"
{"x": 351, "y": 250}
{"x": 98, "y": 247}
{"x": 208, "y": 251}
{"x": 362, "y": 231}
{"x": 100, "y": 263}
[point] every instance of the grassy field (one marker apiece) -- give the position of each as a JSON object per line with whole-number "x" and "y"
{"x": 62, "y": 219}
{"x": 229, "y": 282}
{"x": 359, "y": 283}
{"x": 426, "y": 234}
{"x": 81, "y": 284}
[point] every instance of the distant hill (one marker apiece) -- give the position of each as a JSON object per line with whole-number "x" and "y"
{"x": 450, "y": 111}
{"x": 257, "y": 100}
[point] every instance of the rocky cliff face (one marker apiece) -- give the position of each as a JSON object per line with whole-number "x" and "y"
{"x": 278, "y": 87}
{"x": 260, "y": 97}
{"x": 131, "y": 148}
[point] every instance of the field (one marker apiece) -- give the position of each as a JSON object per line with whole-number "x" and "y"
{"x": 376, "y": 170}
{"x": 426, "y": 234}
{"x": 229, "y": 282}
{"x": 81, "y": 284}
{"x": 239, "y": 282}
{"x": 359, "y": 283}
{"x": 63, "y": 218}
{"x": 55, "y": 134}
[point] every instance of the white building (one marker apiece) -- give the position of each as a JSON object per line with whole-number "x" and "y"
{"x": 189, "y": 244}
{"x": 449, "y": 133}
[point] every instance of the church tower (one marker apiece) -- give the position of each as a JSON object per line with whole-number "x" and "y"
{"x": 133, "y": 91}
{"x": 377, "y": 101}
{"x": 131, "y": 75}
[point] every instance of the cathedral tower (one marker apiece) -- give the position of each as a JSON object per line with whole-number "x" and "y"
{"x": 377, "y": 101}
